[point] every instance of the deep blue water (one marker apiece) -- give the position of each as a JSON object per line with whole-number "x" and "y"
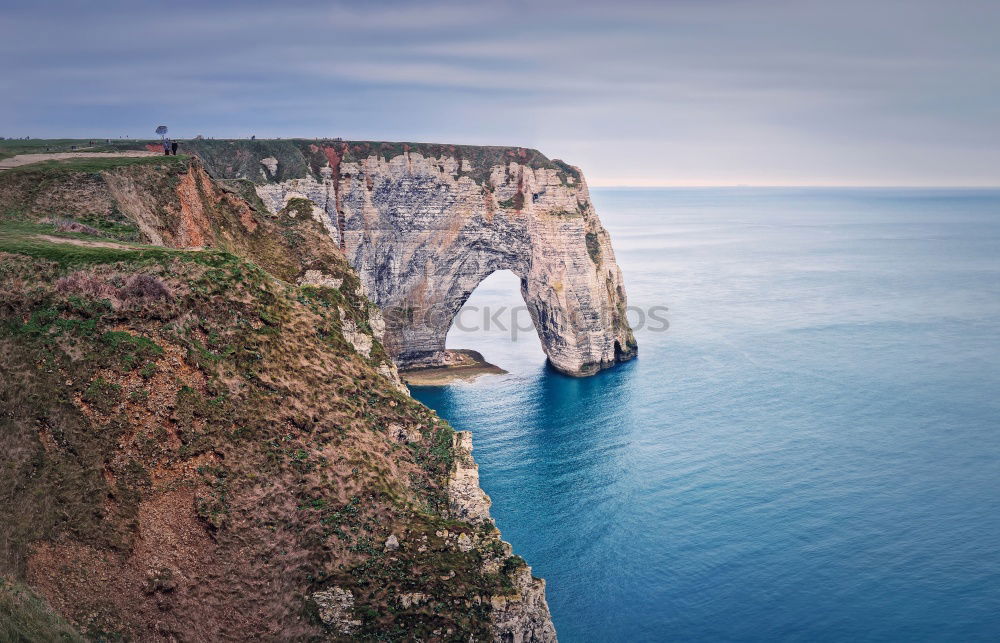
{"x": 810, "y": 452}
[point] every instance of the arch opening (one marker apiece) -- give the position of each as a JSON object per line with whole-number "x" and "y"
{"x": 494, "y": 321}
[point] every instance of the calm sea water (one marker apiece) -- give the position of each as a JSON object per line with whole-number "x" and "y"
{"x": 810, "y": 452}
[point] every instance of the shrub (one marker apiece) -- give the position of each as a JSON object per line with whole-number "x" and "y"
{"x": 593, "y": 247}
{"x": 137, "y": 286}
{"x": 86, "y": 283}
{"x": 69, "y": 225}
{"x": 143, "y": 286}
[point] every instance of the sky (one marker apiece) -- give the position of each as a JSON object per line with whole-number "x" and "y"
{"x": 675, "y": 92}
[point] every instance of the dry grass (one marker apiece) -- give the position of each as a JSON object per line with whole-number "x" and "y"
{"x": 69, "y": 225}
{"x": 194, "y": 448}
{"x": 213, "y": 456}
{"x": 121, "y": 290}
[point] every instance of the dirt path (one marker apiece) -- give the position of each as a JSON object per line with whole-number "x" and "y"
{"x": 26, "y": 159}
{"x": 85, "y": 243}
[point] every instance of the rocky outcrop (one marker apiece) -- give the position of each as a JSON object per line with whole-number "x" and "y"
{"x": 335, "y": 607}
{"x": 424, "y": 224}
{"x": 466, "y": 500}
{"x": 523, "y": 617}
{"x": 520, "y": 617}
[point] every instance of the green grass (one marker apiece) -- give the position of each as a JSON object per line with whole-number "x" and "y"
{"x": 25, "y": 617}
{"x": 11, "y": 147}
{"x": 102, "y": 164}
{"x": 516, "y": 202}
{"x": 114, "y": 226}
{"x": 593, "y": 247}
{"x": 20, "y": 237}
{"x": 233, "y": 159}
{"x": 244, "y": 188}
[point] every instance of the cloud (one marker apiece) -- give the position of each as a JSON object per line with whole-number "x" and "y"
{"x": 647, "y": 92}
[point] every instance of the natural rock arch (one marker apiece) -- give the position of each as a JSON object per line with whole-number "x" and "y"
{"x": 423, "y": 241}
{"x": 496, "y": 309}
{"x": 424, "y": 224}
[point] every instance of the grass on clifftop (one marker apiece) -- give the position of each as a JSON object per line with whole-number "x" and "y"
{"x": 76, "y": 250}
{"x": 21, "y": 237}
{"x": 13, "y": 147}
{"x": 92, "y": 164}
{"x": 240, "y": 159}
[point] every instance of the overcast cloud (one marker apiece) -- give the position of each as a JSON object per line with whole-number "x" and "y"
{"x": 636, "y": 93}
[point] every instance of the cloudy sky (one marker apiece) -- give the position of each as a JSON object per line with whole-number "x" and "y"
{"x": 675, "y": 92}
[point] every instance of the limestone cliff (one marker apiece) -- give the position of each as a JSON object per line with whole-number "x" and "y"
{"x": 203, "y": 437}
{"x": 524, "y": 616}
{"x": 424, "y": 224}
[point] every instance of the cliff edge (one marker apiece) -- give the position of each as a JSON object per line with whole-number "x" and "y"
{"x": 204, "y": 438}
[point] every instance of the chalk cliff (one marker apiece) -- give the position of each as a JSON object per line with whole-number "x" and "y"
{"x": 424, "y": 224}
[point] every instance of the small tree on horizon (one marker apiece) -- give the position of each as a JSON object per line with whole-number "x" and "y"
{"x": 162, "y": 131}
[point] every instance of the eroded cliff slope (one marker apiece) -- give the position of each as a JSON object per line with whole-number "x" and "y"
{"x": 203, "y": 438}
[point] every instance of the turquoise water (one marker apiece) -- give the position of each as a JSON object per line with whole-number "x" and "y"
{"x": 810, "y": 452}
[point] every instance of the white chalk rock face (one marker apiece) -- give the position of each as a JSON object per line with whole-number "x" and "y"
{"x": 424, "y": 224}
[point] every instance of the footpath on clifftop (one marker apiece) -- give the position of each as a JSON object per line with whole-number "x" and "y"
{"x": 27, "y": 159}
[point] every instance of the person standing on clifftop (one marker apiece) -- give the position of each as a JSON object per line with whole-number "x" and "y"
{"x": 166, "y": 147}
{"x": 173, "y": 147}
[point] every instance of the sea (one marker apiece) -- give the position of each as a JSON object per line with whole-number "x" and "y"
{"x": 807, "y": 447}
